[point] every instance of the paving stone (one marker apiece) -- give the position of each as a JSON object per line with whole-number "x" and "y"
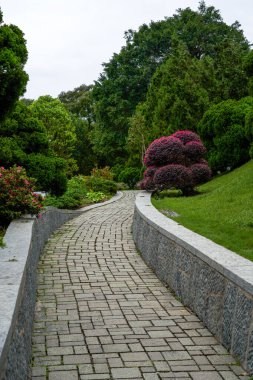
{"x": 105, "y": 315}
{"x": 125, "y": 373}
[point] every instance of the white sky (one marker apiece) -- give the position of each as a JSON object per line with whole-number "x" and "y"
{"x": 68, "y": 40}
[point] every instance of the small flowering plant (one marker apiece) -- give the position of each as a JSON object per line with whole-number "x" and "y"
{"x": 17, "y": 194}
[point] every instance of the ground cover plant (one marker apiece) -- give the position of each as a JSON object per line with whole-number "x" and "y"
{"x": 222, "y": 212}
{"x": 82, "y": 191}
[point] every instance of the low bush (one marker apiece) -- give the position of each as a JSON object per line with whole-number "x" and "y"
{"x": 173, "y": 176}
{"x": 95, "y": 196}
{"x": 105, "y": 173}
{"x": 74, "y": 197}
{"x": 17, "y": 194}
{"x": 50, "y": 173}
{"x": 130, "y": 176}
{"x": 97, "y": 184}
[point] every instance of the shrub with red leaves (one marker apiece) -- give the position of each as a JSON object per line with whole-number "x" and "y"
{"x": 201, "y": 173}
{"x": 175, "y": 161}
{"x": 173, "y": 176}
{"x": 164, "y": 150}
{"x": 147, "y": 184}
{"x": 194, "y": 150}
{"x": 186, "y": 136}
{"x": 150, "y": 171}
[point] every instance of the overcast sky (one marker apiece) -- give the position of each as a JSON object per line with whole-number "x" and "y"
{"x": 68, "y": 40}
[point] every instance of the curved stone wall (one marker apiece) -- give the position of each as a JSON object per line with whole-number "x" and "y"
{"x": 215, "y": 283}
{"x": 24, "y": 241}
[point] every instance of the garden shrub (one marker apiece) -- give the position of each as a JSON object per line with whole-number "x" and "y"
{"x": 73, "y": 197}
{"x": 224, "y": 130}
{"x": 164, "y": 150}
{"x": 173, "y": 176}
{"x": 185, "y": 170}
{"x": 17, "y": 194}
{"x": 201, "y": 173}
{"x": 100, "y": 184}
{"x": 50, "y": 173}
{"x": 130, "y": 176}
{"x": 105, "y": 173}
{"x": 95, "y": 196}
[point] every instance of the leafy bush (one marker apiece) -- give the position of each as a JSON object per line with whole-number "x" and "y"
{"x": 95, "y": 196}
{"x": 164, "y": 150}
{"x": 225, "y": 131}
{"x": 50, "y": 173}
{"x": 74, "y": 197}
{"x": 105, "y": 173}
{"x": 179, "y": 163}
{"x": 186, "y": 136}
{"x": 17, "y": 194}
{"x": 130, "y": 176}
{"x": 100, "y": 184}
{"x": 173, "y": 176}
{"x": 201, "y": 173}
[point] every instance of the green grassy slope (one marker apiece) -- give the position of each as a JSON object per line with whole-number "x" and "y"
{"x": 222, "y": 212}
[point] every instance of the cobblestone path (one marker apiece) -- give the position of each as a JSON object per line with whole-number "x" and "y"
{"x": 102, "y": 314}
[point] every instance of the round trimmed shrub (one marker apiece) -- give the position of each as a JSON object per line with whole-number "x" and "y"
{"x": 163, "y": 151}
{"x": 150, "y": 171}
{"x": 173, "y": 176}
{"x": 147, "y": 184}
{"x": 186, "y": 136}
{"x": 194, "y": 150}
{"x": 201, "y": 173}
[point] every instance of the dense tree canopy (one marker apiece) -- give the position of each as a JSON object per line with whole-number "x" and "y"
{"x": 126, "y": 77}
{"x": 59, "y": 126}
{"x": 13, "y": 56}
{"x": 225, "y": 131}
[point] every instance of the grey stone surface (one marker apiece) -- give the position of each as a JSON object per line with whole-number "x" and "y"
{"x": 102, "y": 313}
{"x": 24, "y": 241}
{"x": 213, "y": 281}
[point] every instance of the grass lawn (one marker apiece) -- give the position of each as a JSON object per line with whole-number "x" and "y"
{"x": 2, "y": 232}
{"x": 222, "y": 212}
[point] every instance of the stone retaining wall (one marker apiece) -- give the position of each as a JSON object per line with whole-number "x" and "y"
{"x": 24, "y": 240}
{"x": 215, "y": 283}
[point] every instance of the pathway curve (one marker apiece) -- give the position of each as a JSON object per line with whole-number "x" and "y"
{"x": 102, "y": 314}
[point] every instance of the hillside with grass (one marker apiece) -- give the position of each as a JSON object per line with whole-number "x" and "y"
{"x": 222, "y": 211}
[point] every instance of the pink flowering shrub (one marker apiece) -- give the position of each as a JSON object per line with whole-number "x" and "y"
{"x": 16, "y": 194}
{"x": 175, "y": 161}
{"x": 164, "y": 150}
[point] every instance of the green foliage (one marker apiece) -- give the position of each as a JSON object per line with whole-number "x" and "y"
{"x": 124, "y": 83}
{"x": 130, "y": 176}
{"x": 225, "y": 135}
{"x": 13, "y": 56}
{"x": 25, "y": 131}
{"x": 95, "y": 196}
{"x": 224, "y": 201}
{"x": 50, "y": 172}
{"x": 98, "y": 184}
{"x": 105, "y": 173}
{"x": 74, "y": 196}
{"x": 59, "y": 126}
{"x": 17, "y": 194}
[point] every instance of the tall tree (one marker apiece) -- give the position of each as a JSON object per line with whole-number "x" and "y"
{"x": 60, "y": 129}
{"x": 13, "y": 56}
{"x": 126, "y": 77}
